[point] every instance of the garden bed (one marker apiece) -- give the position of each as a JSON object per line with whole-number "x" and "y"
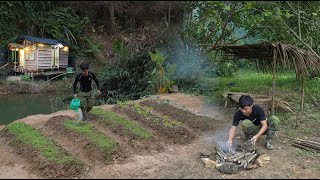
{"x": 196, "y": 122}
{"x": 170, "y": 130}
{"x": 129, "y": 132}
{"x": 87, "y": 141}
{"x": 47, "y": 159}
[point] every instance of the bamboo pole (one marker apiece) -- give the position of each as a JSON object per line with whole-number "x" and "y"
{"x": 274, "y": 78}
{"x": 302, "y": 94}
{"x": 302, "y": 78}
{"x": 52, "y": 108}
{"x": 57, "y": 76}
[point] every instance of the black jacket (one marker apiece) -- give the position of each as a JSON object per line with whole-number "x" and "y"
{"x": 85, "y": 82}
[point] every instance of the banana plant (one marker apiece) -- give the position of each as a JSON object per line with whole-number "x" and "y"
{"x": 160, "y": 75}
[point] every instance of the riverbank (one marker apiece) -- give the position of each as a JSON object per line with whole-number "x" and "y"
{"x": 16, "y": 86}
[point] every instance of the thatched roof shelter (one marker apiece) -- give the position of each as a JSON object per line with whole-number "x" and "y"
{"x": 269, "y": 55}
{"x": 305, "y": 63}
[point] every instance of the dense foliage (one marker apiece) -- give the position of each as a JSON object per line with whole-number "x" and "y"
{"x": 185, "y": 33}
{"x": 48, "y": 20}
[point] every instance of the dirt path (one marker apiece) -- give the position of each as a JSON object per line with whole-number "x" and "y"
{"x": 182, "y": 161}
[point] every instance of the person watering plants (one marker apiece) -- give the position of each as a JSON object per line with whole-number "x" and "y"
{"x": 254, "y": 122}
{"x": 85, "y": 95}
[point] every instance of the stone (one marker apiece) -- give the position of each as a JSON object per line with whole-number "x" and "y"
{"x": 263, "y": 160}
{"x": 206, "y": 152}
{"x": 229, "y": 168}
{"x": 208, "y": 162}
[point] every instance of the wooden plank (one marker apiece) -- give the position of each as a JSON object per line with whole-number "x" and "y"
{"x": 36, "y": 54}
{"x": 45, "y": 64}
{"x": 45, "y": 53}
{"x": 44, "y": 49}
{"x": 31, "y": 68}
{"x": 44, "y": 59}
{"x": 30, "y": 63}
{"x": 44, "y": 67}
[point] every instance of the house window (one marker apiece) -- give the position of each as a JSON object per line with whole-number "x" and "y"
{"x": 30, "y": 55}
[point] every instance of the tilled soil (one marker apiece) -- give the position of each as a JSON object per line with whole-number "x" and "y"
{"x": 175, "y": 135}
{"x": 196, "y": 122}
{"x": 78, "y": 144}
{"x": 39, "y": 165}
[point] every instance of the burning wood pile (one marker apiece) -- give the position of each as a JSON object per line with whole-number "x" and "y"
{"x": 234, "y": 161}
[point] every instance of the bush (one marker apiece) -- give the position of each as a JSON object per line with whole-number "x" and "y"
{"x": 226, "y": 69}
{"x": 161, "y": 75}
{"x": 125, "y": 78}
{"x": 25, "y": 77}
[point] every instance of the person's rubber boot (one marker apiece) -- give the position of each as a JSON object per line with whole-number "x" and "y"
{"x": 85, "y": 116}
{"x": 267, "y": 142}
{"x": 88, "y": 109}
{"x": 268, "y": 145}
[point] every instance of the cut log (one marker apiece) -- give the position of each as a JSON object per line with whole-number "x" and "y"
{"x": 305, "y": 148}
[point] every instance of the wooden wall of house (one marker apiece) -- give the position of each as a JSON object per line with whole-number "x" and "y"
{"x": 31, "y": 64}
{"x": 63, "y": 57}
{"x": 44, "y": 56}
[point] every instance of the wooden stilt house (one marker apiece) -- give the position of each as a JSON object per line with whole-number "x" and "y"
{"x": 37, "y": 56}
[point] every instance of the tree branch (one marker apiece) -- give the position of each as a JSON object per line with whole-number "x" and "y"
{"x": 222, "y": 33}
{"x": 232, "y": 42}
{"x": 297, "y": 36}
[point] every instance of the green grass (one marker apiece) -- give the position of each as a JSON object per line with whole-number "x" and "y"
{"x": 250, "y": 81}
{"x": 104, "y": 143}
{"x": 114, "y": 120}
{"x": 287, "y": 88}
{"x": 29, "y": 136}
{"x": 302, "y": 152}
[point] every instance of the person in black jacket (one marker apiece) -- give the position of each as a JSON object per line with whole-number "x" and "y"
{"x": 85, "y": 94}
{"x": 254, "y": 122}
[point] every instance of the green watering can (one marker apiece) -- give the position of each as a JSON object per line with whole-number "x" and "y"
{"x": 75, "y": 104}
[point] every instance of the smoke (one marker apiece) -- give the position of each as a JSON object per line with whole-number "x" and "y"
{"x": 187, "y": 58}
{"x": 220, "y": 138}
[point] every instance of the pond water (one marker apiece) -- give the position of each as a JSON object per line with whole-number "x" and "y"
{"x": 15, "y": 107}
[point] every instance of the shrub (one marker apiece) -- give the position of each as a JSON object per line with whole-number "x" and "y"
{"x": 125, "y": 78}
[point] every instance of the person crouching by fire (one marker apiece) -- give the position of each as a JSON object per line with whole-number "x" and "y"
{"x": 254, "y": 123}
